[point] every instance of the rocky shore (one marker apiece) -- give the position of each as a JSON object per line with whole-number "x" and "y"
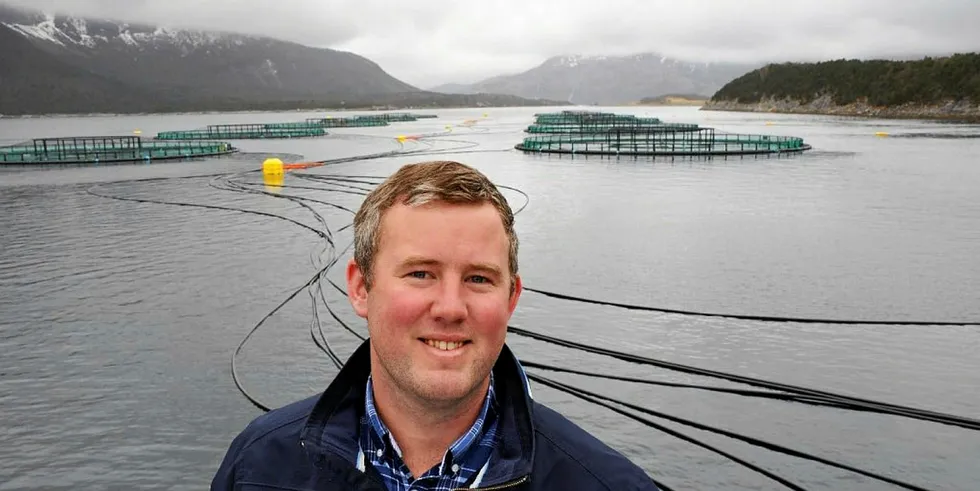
{"x": 951, "y": 110}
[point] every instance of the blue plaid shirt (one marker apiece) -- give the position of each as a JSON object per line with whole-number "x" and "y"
{"x": 463, "y": 464}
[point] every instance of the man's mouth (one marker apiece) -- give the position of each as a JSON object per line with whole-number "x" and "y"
{"x": 445, "y": 345}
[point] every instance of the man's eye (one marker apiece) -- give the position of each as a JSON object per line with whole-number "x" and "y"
{"x": 479, "y": 279}
{"x": 418, "y": 274}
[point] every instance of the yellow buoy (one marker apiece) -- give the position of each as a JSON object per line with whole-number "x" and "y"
{"x": 137, "y": 132}
{"x": 272, "y": 167}
{"x": 484, "y": 115}
{"x": 401, "y": 138}
{"x": 768, "y": 123}
{"x": 881, "y": 133}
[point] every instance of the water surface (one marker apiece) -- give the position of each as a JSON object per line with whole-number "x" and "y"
{"x": 118, "y": 320}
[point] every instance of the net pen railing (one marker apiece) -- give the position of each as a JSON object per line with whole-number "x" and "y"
{"x": 701, "y": 142}
{"x": 107, "y": 149}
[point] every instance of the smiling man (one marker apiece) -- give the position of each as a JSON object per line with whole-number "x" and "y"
{"x": 434, "y": 400}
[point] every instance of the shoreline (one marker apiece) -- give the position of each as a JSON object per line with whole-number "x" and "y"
{"x": 668, "y": 101}
{"x": 949, "y": 111}
{"x": 666, "y": 104}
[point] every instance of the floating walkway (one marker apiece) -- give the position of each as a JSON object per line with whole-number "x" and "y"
{"x": 598, "y": 133}
{"x": 105, "y": 149}
{"x": 301, "y": 129}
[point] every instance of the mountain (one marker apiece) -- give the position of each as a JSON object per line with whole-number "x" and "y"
{"x": 33, "y": 80}
{"x": 63, "y": 64}
{"x": 943, "y": 87}
{"x": 880, "y": 82}
{"x": 608, "y": 80}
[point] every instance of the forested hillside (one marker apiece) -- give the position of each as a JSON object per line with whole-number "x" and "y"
{"x": 950, "y": 85}
{"x": 883, "y": 83}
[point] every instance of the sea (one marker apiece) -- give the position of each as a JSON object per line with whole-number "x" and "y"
{"x": 143, "y": 305}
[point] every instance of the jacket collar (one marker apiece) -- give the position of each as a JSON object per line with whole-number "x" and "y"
{"x": 333, "y": 425}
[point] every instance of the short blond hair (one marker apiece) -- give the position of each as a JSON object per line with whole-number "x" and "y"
{"x": 421, "y": 183}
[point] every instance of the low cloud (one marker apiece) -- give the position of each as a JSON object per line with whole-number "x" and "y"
{"x": 427, "y": 42}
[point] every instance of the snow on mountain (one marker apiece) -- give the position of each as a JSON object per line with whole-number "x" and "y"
{"x": 44, "y": 30}
{"x": 62, "y": 61}
{"x": 69, "y": 31}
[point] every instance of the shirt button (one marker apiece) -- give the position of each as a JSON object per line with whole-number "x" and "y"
{"x": 380, "y": 452}
{"x": 455, "y": 468}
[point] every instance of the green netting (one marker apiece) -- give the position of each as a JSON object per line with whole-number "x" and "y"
{"x": 107, "y": 149}
{"x": 590, "y": 117}
{"x": 606, "y": 127}
{"x": 587, "y": 132}
{"x": 661, "y": 143}
{"x": 247, "y": 131}
{"x": 381, "y": 119}
{"x": 351, "y": 122}
{"x": 398, "y": 117}
{"x": 403, "y": 117}
{"x": 290, "y": 125}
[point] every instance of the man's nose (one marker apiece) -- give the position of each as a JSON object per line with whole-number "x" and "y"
{"x": 449, "y": 305}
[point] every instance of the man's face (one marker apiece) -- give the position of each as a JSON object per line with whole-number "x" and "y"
{"x": 440, "y": 299}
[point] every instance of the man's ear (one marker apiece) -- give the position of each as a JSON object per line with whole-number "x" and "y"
{"x": 357, "y": 288}
{"x": 515, "y": 293}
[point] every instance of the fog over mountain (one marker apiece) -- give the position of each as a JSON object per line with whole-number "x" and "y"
{"x": 426, "y": 43}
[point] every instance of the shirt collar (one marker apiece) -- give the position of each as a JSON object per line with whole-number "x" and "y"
{"x": 455, "y": 451}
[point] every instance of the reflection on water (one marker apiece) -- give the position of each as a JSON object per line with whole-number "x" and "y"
{"x": 273, "y": 182}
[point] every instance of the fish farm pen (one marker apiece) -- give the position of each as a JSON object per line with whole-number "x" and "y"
{"x": 352, "y": 122}
{"x": 598, "y": 133}
{"x": 311, "y": 127}
{"x": 100, "y": 149}
{"x": 404, "y": 117}
{"x": 364, "y": 120}
{"x": 247, "y": 131}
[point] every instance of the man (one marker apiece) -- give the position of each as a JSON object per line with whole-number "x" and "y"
{"x": 434, "y": 400}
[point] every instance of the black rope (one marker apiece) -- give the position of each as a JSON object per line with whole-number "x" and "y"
{"x": 592, "y": 396}
{"x": 847, "y": 402}
{"x": 586, "y": 397}
{"x": 761, "y": 318}
{"x": 779, "y": 396}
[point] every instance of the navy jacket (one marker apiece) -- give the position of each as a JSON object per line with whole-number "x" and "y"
{"x": 312, "y": 444}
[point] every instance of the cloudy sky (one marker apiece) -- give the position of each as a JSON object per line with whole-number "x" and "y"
{"x": 427, "y": 42}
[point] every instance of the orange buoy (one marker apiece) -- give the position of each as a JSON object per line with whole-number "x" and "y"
{"x": 301, "y": 165}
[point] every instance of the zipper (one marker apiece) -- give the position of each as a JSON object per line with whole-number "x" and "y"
{"x": 499, "y": 486}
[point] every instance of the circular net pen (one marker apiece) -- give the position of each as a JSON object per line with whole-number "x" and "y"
{"x": 595, "y": 133}
{"x": 403, "y": 117}
{"x": 351, "y": 122}
{"x": 105, "y": 149}
{"x": 601, "y": 127}
{"x": 590, "y": 117}
{"x": 301, "y": 129}
{"x": 398, "y": 117}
